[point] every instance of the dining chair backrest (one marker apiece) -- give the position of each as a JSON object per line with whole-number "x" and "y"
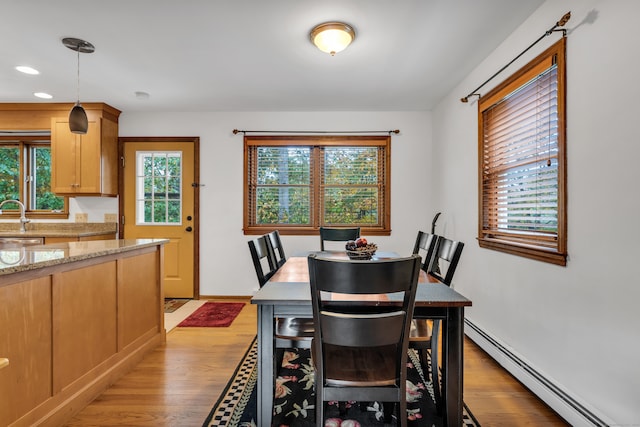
{"x": 329, "y": 234}
{"x": 425, "y": 247}
{"x": 260, "y": 249}
{"x": 445, "y": 259}
{"x": 277, "y": 250}
{"x": 371, "y": 336}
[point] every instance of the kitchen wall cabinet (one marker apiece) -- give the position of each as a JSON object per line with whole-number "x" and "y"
{"x": 84, "y": 164}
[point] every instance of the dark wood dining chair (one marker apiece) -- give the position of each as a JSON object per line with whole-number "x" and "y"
{"x": 290, "y": 332}
{"x": 438, "y": 253}
{"x": 262, "y": 260}
{"x": 330, "y": 234}
{"x": 277, "y": 249}
{"x": 360, "y": 347}
{"x": 424, "y": 246}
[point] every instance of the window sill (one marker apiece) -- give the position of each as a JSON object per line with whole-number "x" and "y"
{"x": 36, "y": 215}
{"x": 307, "y": 231}
{"x": 527, "y": 251}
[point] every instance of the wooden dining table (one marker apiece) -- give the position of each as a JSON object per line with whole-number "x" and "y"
{"x": 288, "y": 294}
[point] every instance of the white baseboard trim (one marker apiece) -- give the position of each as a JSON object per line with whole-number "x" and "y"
{"x": 568, "y": 407}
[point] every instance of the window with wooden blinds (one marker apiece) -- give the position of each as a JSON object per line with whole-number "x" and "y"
{"x": 522, "y": 161}
{"x": 300, "y": 183}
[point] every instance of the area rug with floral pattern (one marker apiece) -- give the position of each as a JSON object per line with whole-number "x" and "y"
{"x": 295, "y": 399}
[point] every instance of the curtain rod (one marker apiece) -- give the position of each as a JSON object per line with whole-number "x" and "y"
{"x": 236, "y": 131}
{"x": 550, "y": 31}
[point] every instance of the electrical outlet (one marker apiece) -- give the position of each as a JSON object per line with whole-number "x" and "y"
{"x": 82, "y": 217}
{"x": 110, "y": 217}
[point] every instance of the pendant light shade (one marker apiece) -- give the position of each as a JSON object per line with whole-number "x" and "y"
{"x": 332, "y": 37}
{"x": 78, "y": 122}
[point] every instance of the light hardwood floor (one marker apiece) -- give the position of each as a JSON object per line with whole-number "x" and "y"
{"x": 177, "y": 384}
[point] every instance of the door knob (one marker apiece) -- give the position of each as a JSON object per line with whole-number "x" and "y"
{"x": 189, "y": 229}
{"x": 189, "y": 218}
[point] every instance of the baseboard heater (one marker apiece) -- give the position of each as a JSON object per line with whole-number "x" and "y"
{"x": 563, "y": 403}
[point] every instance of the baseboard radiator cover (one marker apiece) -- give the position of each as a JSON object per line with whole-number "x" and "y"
{"x": 567, "y": 406}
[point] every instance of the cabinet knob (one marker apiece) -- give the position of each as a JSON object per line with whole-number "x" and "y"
{"x": 3, "y": 362}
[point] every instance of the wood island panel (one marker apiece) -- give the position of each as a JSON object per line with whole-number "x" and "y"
{"x": 25, "y": 319}
{"x": 84, "y": 321}
{"x": 138, "y": 286}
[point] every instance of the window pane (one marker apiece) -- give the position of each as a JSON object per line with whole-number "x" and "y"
{"x": 283, "y": 205}
{"x": 350, "y": 165}
{"x": 42, "y": 197}
{"x": 282, "y": 194}
{"x": 159, "y": 187}
{"x": 9, "y": 174}
{"x": 283, "y": 165}
{"x": 343, "y": 206}
{"x": 349, "y": 197}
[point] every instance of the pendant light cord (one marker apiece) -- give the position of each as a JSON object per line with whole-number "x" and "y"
{"x": 78, "y": 93}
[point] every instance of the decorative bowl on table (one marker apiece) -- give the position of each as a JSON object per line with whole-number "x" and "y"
{"x": 360, "y": 249}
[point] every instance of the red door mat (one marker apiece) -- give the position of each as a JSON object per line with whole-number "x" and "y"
{"x": 213, "y": 314}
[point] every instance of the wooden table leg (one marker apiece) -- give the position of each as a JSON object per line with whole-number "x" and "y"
{"x": 452, "y": 372}
{"x": 265, "y": 364}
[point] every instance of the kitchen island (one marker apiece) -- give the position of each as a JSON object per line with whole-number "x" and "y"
{"x": 74, "y": 317}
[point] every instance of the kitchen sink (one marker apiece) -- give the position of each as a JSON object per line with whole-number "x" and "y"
{"x": 17, "y": 242}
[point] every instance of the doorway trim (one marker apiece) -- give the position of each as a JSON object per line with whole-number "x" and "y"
{"x": 196, "y": 193}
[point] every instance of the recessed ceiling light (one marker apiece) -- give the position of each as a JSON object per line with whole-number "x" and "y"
{"x": 27, "y": 70}
{"x": 142, "y": 95}
{"x": 43, "y": 95}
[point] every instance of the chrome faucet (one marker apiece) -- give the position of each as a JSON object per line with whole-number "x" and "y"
{"x": 23, "y": 217}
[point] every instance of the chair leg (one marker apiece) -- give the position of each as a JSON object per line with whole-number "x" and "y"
{"x": 342, "y": 408}
{"x": 319, "y": 407}
{"x": 387, "y": 409}
{"x": 402, "y": 411}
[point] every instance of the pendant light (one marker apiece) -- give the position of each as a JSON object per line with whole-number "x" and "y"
{"x": 78, "y": 122}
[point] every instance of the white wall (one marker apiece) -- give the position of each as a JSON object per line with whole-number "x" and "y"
{"x": 577, "y": 325}
{"x": 225, "y": 262}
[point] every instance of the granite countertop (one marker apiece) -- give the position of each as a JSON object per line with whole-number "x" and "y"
{"x": 15, "y": 260}
{"x": 58, "y": 229}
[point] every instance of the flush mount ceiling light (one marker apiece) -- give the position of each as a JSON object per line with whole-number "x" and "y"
{"x": 332, "y": 37}
{"x": 78, "y": 122}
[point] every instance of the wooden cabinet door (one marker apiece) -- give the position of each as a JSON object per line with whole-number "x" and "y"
{"x": 88, "y": 166}
{"x": 75, "y": 159}
{"x": 63, "y": 157}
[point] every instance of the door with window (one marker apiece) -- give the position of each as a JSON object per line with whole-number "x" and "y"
{"x": 159, "y": 201}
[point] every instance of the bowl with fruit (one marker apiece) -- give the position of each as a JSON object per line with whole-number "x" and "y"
{"x": 360, "y": 248}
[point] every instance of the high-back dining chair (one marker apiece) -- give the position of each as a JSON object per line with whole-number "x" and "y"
{"x": 445, "y": 260}
{"x": 439, "y": 253}
{"x": 424, "y": 246}
{"x": 360, "y": 347}
{"x": 290, "y": 332}
{"x": 277, "y": 249}
{"x": 262, "y": 259}
{"x": 330, "y": 234}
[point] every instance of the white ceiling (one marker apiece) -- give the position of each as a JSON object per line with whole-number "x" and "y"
{"x": 249, "y": 55}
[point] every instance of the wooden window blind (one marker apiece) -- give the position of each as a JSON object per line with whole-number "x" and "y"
{"x": 522, "y": 162}
{"x": 300, "y": 183}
